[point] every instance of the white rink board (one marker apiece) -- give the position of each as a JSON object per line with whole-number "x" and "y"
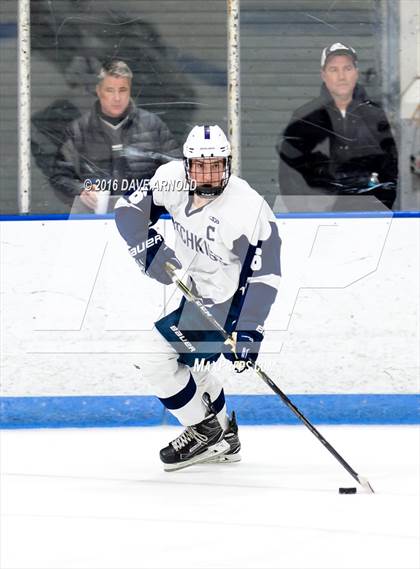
{"x": 77, "y": 311}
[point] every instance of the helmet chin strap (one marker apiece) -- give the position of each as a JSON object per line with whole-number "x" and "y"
{"x": 208, "y": 191}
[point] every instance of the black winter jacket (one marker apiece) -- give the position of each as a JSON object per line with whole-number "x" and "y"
{"x": 146, "y": 144}
{"x": 338, "y": 154}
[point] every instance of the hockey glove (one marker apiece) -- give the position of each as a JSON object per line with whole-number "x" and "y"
{"x": 247, "y": 346}
{"x": 152, "y": 254}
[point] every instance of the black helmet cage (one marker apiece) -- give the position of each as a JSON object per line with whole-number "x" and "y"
{"x": 209, "y": 190}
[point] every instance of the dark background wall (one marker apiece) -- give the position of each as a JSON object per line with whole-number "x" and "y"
{"x": 177, "y": 49}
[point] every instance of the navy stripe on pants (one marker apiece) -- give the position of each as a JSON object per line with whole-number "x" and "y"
{"x": 181, "y": 398}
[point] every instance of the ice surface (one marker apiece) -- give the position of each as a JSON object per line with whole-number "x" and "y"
{"x": 99, "y": 499}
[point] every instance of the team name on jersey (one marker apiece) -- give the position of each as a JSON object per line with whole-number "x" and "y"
{"x": 196, "y": 243}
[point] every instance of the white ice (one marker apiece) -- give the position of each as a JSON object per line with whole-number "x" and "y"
{"x": 99, "y": 499}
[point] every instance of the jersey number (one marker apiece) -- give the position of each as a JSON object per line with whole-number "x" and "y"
{"x": 137, "y": 196}
{"x": 257, "y": 260}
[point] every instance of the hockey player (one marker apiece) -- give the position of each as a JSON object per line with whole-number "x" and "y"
{"x": 227, "y": 249}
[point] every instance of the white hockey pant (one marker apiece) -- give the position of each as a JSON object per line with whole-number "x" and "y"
{"x": 178, "y": 386}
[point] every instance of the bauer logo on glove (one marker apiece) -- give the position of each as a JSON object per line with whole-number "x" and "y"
{"x": 152, "y": 255}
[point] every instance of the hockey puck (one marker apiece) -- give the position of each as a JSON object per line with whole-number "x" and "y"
{"x": 347, "y": 490}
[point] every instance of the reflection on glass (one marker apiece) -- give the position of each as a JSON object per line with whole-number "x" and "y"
{"x": 78, "y": 37}
{"x": 339, "y": 144}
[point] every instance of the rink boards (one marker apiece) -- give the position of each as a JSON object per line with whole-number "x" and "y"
{"x": 342, "y": 336}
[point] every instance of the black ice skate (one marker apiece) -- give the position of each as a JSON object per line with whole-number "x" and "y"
{"x": 196, "y": 444}
{"x": 232, "y": 438}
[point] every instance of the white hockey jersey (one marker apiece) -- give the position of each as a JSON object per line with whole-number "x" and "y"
{"x": 230, "y": 242}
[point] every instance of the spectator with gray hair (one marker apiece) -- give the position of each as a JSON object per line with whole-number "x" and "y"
{"x": 115, "y": 147}
{"x": 339, "y": 144}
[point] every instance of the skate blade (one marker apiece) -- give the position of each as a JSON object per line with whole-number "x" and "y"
{"x": 225, "y": 458}
{"x": 213, "y": 451}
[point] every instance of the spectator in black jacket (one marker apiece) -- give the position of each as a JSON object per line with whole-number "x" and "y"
{"x": 341, "y": 142}
{"x": 114, "y": 147}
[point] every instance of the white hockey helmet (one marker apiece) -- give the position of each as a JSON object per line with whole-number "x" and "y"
{"x": 207, "y": 142}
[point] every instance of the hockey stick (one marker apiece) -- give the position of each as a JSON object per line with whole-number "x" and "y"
{"x": 189, "y": 295}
